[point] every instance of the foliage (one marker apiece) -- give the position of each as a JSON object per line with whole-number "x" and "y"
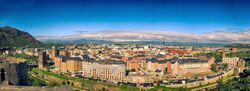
{"x": 236, "y": 45}
{"x": 247, "y": 63}
{"x": 52, "y": 84}
{"x": 36, "y": 82}
{"x": 241, "y": 54}
{"x": 220, "y": 84}
{"x": 90, "y": 83}
{"x": 11, "y": 37}
{"x": 52, "y": 74}
{"x": 224, "y": 66}
{"x": 27, "y": 57}
{"x": 214, "y": 68}
{"x": 128, "y": 88}
{"x": 245, "y": 73}
{"x": 33, "y": 81}
{"x": 163, "y": 88}
{"x": 216, "y": 55}
{"x": 239, "y": 84}
{"x": 196, "y": 77}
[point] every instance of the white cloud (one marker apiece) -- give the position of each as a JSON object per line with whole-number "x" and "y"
{"x": 121, "y": 36}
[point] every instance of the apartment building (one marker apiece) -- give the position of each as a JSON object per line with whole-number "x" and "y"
{"x": 230, "y": 61}
{"x": 104, "y": 69}
{"x": 59, "y": 61}
{"x": 74, "y": 64}
{"x": 193, "y": 66}
{"x": 71, "y": 64}
{"x": 179, "y": 66}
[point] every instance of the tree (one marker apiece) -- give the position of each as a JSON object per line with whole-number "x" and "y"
{"x": 216, "y": 55}
{"x": 220, "y": 84}
{"x": 224, "y": 66}
{"x": 228, "y": 87}
{"x": 183, "y": 89}
{"x": 241, "y": 54}
{"x": 214, "y": 68}
{"x": 196, "y": 77}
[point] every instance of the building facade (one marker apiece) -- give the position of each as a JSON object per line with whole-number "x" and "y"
{"x": 230, "y": 61}
{"x": 107, "y": 70}
{"x": 71, "y": 64}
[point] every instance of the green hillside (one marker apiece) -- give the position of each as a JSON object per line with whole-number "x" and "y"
{"x": 11, "y": 37}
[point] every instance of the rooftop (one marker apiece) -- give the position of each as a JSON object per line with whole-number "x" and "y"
{"x": 105, "y": 61}
{"x": 186, "y": 61}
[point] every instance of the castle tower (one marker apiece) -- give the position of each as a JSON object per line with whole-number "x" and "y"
{"x": 13, "y": 71}
{"x": 54, "y": 53}
{"x": 41, "y": 60}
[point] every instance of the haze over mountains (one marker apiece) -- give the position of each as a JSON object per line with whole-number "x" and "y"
{"x": 226, "y": 37}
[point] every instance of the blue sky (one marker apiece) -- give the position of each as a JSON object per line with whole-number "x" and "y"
{"x": 63, "y": 17}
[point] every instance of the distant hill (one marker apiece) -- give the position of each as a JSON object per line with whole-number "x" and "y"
{"x": 237, "y": 45}
{"x": 46, "y": 40}
{"x": 12, "y": 37}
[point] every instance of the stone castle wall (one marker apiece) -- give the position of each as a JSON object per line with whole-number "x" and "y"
{"x": 15, "y": 72}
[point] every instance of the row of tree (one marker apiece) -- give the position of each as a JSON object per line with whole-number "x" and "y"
{"x": 217, "y": 67}
{"x": 236, "y": 84}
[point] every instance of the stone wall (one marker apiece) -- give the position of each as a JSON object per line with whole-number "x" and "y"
{"x": 15, "y": 73}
